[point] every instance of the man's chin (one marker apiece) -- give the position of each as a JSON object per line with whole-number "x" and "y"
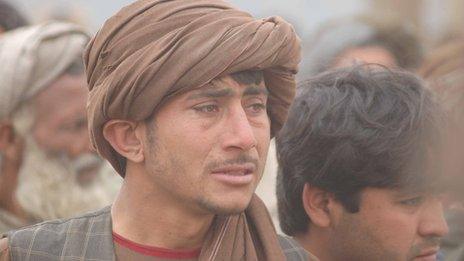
{"x": 228, "y": 211}
{"x": 226, "y": 207}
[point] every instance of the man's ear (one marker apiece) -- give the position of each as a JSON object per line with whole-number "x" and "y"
{"x": 318, "y": 205}
{"x": 125, "y": 139}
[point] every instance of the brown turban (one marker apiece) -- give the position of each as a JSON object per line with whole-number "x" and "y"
{"x": 153, "y": 49}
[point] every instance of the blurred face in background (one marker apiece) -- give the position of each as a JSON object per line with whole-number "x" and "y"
{"x": 60, "y": 126}
{"x": 443, "y": 69}
{"x": 60, "y": 118}
{"x": 59, "y": 176}
{"x": 365, "y": 54}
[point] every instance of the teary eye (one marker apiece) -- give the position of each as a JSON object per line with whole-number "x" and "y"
{"x": 207, "y": 108}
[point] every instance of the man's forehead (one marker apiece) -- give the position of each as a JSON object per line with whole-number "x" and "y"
{"x": 64, "y": 90}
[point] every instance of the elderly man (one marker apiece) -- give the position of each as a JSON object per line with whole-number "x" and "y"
{"x": 47, "y": 169}
{"x": 184, "y": 97}
{"x": 356, "y": 180}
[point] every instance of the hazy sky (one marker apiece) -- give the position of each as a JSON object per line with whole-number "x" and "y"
{"x": 304, "y": 14}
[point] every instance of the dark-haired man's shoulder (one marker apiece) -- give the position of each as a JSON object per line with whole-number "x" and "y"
{"x": 293, "y": 251}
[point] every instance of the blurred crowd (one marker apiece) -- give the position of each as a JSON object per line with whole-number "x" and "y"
{"x": 48, "y": 169}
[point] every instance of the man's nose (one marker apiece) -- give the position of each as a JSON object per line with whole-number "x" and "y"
{"x": 433, "y": 222}
{"x": 238, "y": 132}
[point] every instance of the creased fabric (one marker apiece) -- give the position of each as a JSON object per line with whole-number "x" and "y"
{"x": 247, "y": 236}
{"x": 152, "y": 50}
{"x": 33, "y": 57}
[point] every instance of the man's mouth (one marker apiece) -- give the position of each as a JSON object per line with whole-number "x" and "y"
{"x": 236, "y": 174}
{"x": 429, "y": 255}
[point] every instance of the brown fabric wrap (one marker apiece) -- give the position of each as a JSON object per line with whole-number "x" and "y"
{"x": 247, "y": 236}
{"x": 152, "y": 50}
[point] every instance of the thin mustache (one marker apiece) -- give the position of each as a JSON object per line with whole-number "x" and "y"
{"x": 431, "y": 242}
{"x": 242, "y": 159}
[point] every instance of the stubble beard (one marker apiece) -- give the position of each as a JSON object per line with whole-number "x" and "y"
{"x": 363, "y": 246}
{"x": 216, "y": 209}
{"x": 429, "y": 242}
{"x": 233, "y": 210}
{"x": 202, "y": 202}
{"x": 352, "y": 241}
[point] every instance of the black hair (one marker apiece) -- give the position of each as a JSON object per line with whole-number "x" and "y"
{"x": 352, "y": 128}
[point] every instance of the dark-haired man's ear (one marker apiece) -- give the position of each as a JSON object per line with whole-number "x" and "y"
{"x": 125, "y": 139}
{"x": 316, "y": 203}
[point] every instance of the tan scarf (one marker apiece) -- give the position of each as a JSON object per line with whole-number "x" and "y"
{"x": 247, "y": 236}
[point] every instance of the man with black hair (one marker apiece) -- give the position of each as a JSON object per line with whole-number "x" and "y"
{"x": 356, "y": 179}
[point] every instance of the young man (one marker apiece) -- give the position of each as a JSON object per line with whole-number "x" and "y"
{"x": 184, "y": 97}
{"x": 359, "y": 171}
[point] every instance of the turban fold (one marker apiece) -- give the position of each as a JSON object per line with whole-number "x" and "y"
{"x": 33, "y": 57}
{"x": 154, "y": 49}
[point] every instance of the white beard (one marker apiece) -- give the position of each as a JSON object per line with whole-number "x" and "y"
{"x": 48, "y": 186}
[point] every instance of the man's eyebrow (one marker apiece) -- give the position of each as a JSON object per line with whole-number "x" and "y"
{"x": 211, "y": 93}
{"x": 409, "y": 191}
{"x": 255, "y": 90}
{"x": 218, "y": 93}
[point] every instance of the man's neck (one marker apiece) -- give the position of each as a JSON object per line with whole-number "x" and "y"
{"x": 151, "y": 218}
{"x": 315, "y": 243}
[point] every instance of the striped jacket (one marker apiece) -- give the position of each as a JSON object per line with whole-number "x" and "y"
{"x": 88, "y": 237}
